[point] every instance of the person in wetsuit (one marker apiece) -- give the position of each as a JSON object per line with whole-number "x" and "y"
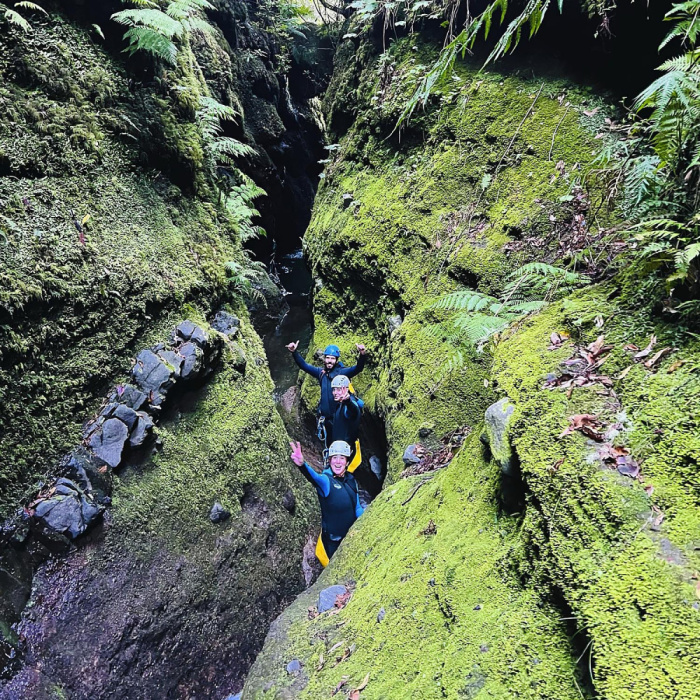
{"x": 332, "y": 367}
{"x": 348, "y": 411}
{"x": 337, "y": 494}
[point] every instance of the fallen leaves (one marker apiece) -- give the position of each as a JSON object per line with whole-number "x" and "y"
{"x": 581, "y": 366}
{"x": 430, "y": 529}
{"x": 342, "y": 600}
{"x": 587, "y": 423}
{"x": 341, "y": 683}
{"x": 556, "y": 340}
{"x": 618, "y": 457}
{"x": 649, "y": 364}
{"x": 439, "y": 458}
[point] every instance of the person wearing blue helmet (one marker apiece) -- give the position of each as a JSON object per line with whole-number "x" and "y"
{"x": 332, "y": 367}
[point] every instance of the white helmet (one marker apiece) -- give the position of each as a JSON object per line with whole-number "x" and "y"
{"x": 340, "y": 381}
{"x": 339, "y": 447}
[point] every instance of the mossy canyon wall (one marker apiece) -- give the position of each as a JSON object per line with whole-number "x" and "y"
{"x": 527, "y": 567}
{"x": 113, "y": 229}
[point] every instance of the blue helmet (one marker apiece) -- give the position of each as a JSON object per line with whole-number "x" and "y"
{"x": 332, "y": 350}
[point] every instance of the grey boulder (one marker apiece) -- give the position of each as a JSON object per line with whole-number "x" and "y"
{"x": 108, "y": 443}
{"x": 68, "y": 512}
{"x": 326, "y": 598}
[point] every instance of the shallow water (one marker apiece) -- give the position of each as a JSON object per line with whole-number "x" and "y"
{"x": 296, "y": 324}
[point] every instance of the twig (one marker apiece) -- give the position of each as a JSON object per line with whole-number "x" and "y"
{"x": 413, "y": 493}
{"x": 554, "y": 135}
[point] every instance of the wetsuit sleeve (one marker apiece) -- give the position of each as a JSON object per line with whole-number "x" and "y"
{"x": 359, "y": 510}
{"x": 356, "y": 369}
{"x": 351, "y": 409}
{"x": 320, "y": 481}
{"x": 309, "y": 369}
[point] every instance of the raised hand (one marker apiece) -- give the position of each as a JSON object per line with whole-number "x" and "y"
{"x": 292, "y": 346}
{"x": 362, "y": 349}
{"x": 297, "y": 456}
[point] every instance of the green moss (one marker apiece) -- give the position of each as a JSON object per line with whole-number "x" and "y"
{"x": 456, "y": 624}
{"x": 72, "y": 137}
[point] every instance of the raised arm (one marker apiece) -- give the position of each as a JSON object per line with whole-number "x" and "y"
{"x": 355, "y": 369}
{"x": 309, "y": 369}
{"x": 320, "y": 481}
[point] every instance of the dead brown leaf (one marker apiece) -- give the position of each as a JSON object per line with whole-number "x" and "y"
{"x": 342, "y": 682}
{"x": 430, "y": 528}
{"x": 624, "y": 372}
{"x": 354, "y": 695}
{"x": 364, "y": 683}
{"x": 631, "y": 347}
{"x": 647, "y": 350}
{"x": 591, "y": 112}
{"x": 321, "y": 662}
{"x": 676, "y": 365}
{"x": 586, "y": 423}
{"x": 554, "y": 467}
{"x": 342, "y": 600}
{"x": 649, "y": 364}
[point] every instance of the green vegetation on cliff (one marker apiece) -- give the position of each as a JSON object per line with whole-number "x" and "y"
{"x": 489, "y": 177}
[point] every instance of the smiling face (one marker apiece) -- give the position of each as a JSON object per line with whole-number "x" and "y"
{"x": 329, "y": 362}
{"x": 340, "y": 393}
{"x": 339, "y": 464}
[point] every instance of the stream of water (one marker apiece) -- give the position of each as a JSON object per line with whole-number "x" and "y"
{"x": 295, "y": 324}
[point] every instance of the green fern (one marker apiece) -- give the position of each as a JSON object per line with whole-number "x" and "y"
{"x": 241, "y": 277}
{"x": 14, "y": 18}
{"x": 155, "y": 31}
{"x": 480, "y": 317}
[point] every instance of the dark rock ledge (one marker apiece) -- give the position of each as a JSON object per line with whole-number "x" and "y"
{"x": 81, "y": 484}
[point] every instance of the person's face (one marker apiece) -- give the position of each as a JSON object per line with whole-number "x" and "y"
{"x": 339, "y": 464}
{"x": 329, "y": 361}
{"x": 340, "y": 393}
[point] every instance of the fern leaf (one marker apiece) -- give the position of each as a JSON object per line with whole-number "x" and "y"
{"x": 15, "y": 18}
{"x": 31, "y": 6}
{"x": 156, "y": 20}
{"x": 464, "y": 300}
{"x": 144, "y": 39}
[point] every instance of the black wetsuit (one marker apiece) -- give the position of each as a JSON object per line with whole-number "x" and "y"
{"x": 346, "y": 421}
{"x": 340, "y": 504}
{"x": 326, "y": 406}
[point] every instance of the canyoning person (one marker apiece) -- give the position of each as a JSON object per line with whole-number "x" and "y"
{"x": 346, "y": 419}
{"x": 337, "y": 495}
{"x": 332, "y": 367}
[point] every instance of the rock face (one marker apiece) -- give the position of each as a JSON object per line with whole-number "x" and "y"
{"x": 180, "y": 605}
{"x": 497, "y": 421}
{"x": 461, "y": 576}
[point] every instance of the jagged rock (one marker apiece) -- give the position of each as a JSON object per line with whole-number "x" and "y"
{"x": 108, "y": 443}
{"x": 173, "y": 360}
{"x": 88, "y": 471}
{"x": 141, "y": 430}
{"x": 69, "y": 512}
{"x": 200, "y": 336}
{"x": 126, "y": 415}
{"x": 218, "y": 513}
{"x": 128, "y": 395}
{"x": 153, "y": 376}
{"x": 226, "y": 323}
{"x": 498, "y": 419}
{"x": 183, "y": 330}
{"x": 394, "y": 323}
{"x": 192, "y": 360}
{"x": 410, "y": 456}
{"x": 376, "y": 466}
{"x": 326, "y": 598}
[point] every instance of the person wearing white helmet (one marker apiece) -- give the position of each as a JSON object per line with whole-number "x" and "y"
{"x": 332, "y": 367}
{"x": 337, "y": 495}
{"x": 348, "y": 411}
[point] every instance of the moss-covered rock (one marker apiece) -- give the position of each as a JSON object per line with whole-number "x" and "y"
{"x": 161, "y": 601}
{"x": 481, "y": 182}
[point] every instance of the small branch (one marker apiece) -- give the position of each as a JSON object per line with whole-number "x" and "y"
{"x": 415, "y": 490}
{"x": 554, "y": 135}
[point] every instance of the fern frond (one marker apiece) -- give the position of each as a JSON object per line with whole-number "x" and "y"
{"x": 31, "y": 6}
{"x": 465, "y": 300}
{"x": 15, "y": 18}
{"x": 153, "y": 19}
{"x": 145, "y": 39}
